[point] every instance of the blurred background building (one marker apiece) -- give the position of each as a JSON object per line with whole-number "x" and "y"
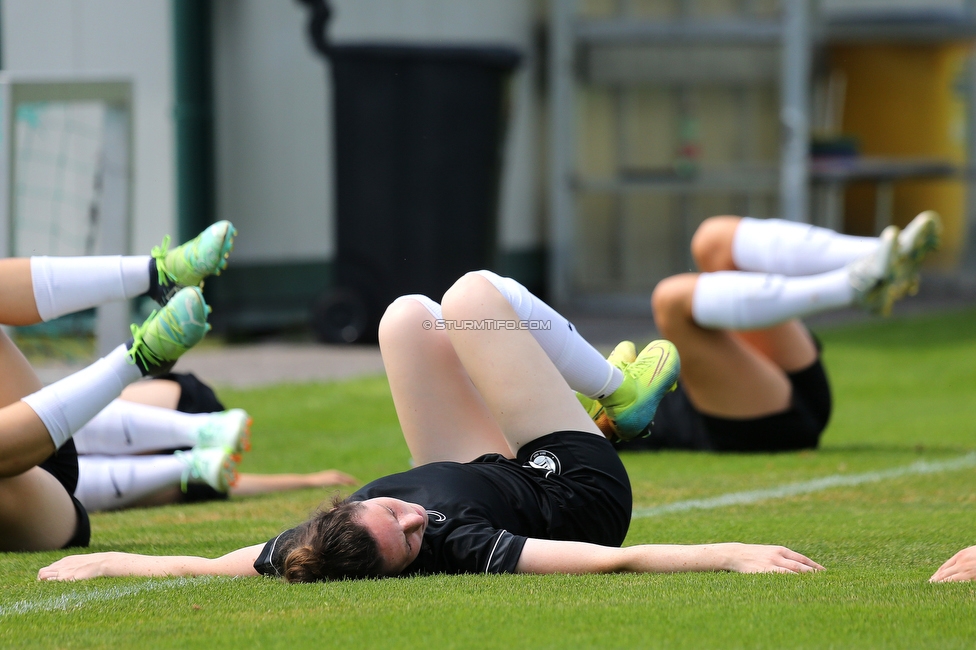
{"x": 626, "y": 122}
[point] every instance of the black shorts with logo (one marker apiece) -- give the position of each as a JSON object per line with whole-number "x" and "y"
{"x": 63, "y": 465}
{"x": 678, "y": 424}
{"x": 582, "y": 491}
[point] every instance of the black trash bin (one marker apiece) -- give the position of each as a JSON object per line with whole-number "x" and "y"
{"x": 418, "y": 144}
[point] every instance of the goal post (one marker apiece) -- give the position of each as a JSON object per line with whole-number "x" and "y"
{"x": 66, "y": 175}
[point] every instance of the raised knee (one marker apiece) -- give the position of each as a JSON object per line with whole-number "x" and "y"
{"x": 672, "y": 300}
{"x": 470, "y": 290}
{"x": 404, "y": 315}
{"x": 711, "y": 245}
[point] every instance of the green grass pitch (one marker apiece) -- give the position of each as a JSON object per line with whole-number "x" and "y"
{"x": 905, "y": 390}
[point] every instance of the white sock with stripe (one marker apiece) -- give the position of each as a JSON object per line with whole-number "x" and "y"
{"x": 106, "y": 482}
{"x": 128, "y": 428}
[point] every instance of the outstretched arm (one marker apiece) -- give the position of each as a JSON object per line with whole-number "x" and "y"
{"x": 547, "y": 556}
{"x": 252, "y": 484}
{"x": 94, "y": 565}
{"x": 960, "y": 567}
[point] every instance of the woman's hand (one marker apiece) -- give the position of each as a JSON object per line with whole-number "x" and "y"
{"x": 755, "y": 558}
{"x": 83, "y": 567}
{"x": 960, "y": 567}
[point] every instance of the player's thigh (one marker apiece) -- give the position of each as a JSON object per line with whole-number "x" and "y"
{"x": 162, "y": 393}
{"x": 442, "y": 415}
{"x": 721, "y": 374}
{"x": 17, "y": 303}
{"x": 527, "y": 395}
{"x": 18, "y": 379}
{"x": 36, "y": 512}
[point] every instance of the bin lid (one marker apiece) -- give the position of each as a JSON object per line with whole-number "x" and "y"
{"x": 485, "y": 55}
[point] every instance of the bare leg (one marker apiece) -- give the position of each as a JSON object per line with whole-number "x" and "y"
{"x": 729, "y": 374}
{"x": 36, "y": 512}
{"x": 162, "y": 393}
{"x": 24, "y": 442}
{"x": 519, "y": 385}
{"x": 442, "y": 415}
{"x": 17, "y": 305}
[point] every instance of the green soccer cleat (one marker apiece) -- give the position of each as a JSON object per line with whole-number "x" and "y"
{"x": 215, "y": 467}
{"x": 226, "y": 430}
{"x": 623, "y": 355}
{"x": 189, "y": 264}
{"x": 872, "y": 276}
{"x": 919, "y": 238}
{"x": 169, "y": 332}
{"x": 653, "y": 374}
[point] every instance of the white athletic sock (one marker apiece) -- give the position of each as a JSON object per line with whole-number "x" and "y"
{"x": 66, "y": 405}
{"x": 790, "y": 248}
{"x": 64, "y": 285}
{"x": 105, "y": 482}
{"x": 124, "y": 428}
{"x": 581, "y": 365}
{"x": 737, "y": 300}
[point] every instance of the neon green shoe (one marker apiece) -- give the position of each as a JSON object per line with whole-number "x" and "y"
{"x": 226, "y": 430}
{"x": 169, "y": 332}
{"x": 623, "y": 355}
{"x": 652, "y": 375}
{"x": 919, "y": 238}
{"x": 215, "y": 467}
{"x": 872, "y": 277}
{"x": 188, "y": 264}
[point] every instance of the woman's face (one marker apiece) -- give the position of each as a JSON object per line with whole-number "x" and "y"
{"x": 398, "y": 528}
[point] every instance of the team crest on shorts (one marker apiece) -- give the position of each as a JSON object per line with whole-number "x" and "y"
{"x": 544, "y": 460}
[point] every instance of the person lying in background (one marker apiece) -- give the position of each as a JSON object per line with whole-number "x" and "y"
{"x": 751, "y": 373}
{"x": 170, "y": 440}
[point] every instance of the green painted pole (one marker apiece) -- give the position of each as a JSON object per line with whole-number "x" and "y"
{"x": 193, "y": 113}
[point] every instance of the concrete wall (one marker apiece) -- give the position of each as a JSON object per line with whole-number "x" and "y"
{"x": 118, "y": 38}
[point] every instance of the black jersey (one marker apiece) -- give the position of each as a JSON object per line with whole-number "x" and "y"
{"x": 566, "y": 486}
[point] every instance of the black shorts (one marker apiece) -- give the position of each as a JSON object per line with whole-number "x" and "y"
{"x": 195, "y": 396}
{"x": 679, "y": 425}
{"x": 63, "y": 465}
{"x": 587, "y": 490}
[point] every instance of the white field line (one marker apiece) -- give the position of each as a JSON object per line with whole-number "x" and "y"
{"x": 79, "y": 599}
{"x": 806, "y": 487}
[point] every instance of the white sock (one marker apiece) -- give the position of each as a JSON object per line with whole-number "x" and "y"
{"x": 105, "y": 482}
{"x": 124, "y": 428}
{"x": 581, "y": 365}
{"x": 64, "y": 285}
{"x": 66, "y": 405}
{"x": 790, "y": 248}
{"x": 737, "y": 300}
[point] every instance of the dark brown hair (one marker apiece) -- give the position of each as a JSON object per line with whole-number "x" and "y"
{"x": 333, "y": 545}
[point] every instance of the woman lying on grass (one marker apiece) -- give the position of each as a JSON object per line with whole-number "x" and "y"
{"x": 512, "y": 474}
